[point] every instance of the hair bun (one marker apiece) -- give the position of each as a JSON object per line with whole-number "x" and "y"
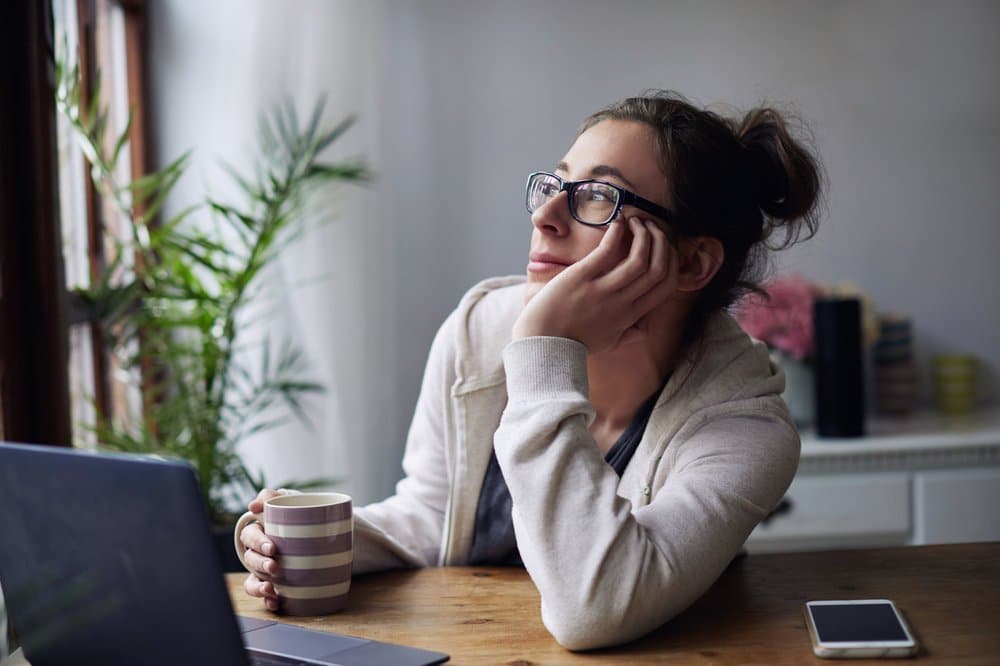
{"x": 784, "y": 176}
{"x": 768, "y": 185}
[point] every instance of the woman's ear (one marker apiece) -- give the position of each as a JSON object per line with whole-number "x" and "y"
{"x": 701, "y": 258}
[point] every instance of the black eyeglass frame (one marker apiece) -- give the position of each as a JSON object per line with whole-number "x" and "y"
{"x": 625, "y": 198}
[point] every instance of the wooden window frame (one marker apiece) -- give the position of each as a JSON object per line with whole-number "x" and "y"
{"x": 35, "y": 308}
{"x": 33, "y": 333}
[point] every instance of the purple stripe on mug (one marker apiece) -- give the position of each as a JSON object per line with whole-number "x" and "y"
{"x": 301, "y": 515}
{"x": 312, "y": 606}
{"x": 330, "y": 576}
{"x": 315, "y": 546}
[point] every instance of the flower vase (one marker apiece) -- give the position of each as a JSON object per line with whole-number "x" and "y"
{"x": 800, "y": 388}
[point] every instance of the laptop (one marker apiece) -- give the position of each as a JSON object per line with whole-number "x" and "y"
{"x": 109, "y": 559}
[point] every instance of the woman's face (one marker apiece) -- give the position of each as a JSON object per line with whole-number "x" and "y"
{"x": 615, "y": 151}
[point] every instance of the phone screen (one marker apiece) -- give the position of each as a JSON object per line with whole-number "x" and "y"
{"x": 856, "y": 623}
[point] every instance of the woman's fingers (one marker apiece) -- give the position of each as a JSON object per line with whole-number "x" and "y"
{"x": 636, "y": 264}
{"x": 255, "y": 587}
{"x": 252, "y": 586}
{"x": 253, "y": 537}
{"x": 257, "y": 503}
{"x": 605, "y": 256}
{"x": 649, "y": 267}
{"x": 647, "y": 276}
{"x": 264, "y": 567}
{"x": 662, "y": 290}
{"x": 657, "y": 269}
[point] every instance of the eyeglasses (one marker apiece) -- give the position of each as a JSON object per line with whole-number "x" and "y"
{"x": 591, "y": 202}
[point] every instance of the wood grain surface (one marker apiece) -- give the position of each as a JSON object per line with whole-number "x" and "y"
{"x": 950, "y": 595}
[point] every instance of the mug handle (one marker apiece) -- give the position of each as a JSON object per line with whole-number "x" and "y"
{"x": 241, "y": 524}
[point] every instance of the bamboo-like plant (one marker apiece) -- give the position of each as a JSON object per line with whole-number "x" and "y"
{"x": 172, "y": 299}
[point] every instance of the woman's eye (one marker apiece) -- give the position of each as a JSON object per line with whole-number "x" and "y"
{"x": 596, "y": 195}
{"x": 547, "y": 189}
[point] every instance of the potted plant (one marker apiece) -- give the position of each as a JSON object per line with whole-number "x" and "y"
{"x": 172, "y": 299}
{"x": 782, "y": 317}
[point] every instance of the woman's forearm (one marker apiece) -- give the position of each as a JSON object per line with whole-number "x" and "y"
{"x": 608, "y": 574}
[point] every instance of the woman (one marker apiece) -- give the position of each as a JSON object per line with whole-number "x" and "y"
{"x": 605, "y": 420}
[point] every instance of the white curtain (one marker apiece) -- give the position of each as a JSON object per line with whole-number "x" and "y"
{"x": 214, "y": 67}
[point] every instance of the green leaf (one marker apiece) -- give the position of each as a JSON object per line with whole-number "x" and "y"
{"x": 317, "y": 113}
{"x": 345, "y": 171}
{"x": 144, "y": 187}
{"x": 231, "y": 213}
{"x": 122, "y": 139}
{"x": 152, "y": 209}
{"x": 264, "y": 426}
{"x": 188, "y": 248}
{"x": 93, "y": 109}
{"x": 247, "y": 188}
{"x": 169, "y": 228}
{"x": 287, "y": 139}
{"x": 334, "y": 134}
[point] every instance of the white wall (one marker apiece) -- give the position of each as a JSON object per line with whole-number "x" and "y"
{"x": 902, "y": 97}
{"x": 471, "y": 96}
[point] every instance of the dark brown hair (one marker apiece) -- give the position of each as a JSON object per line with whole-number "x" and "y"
{"x": 747, "y": 182}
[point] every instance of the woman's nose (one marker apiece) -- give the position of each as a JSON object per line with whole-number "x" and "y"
{"x": 553, "y": 216}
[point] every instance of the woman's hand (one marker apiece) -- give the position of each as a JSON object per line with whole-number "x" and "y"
{"x": 259, "y": 556}
{"x": 602, "y": 299}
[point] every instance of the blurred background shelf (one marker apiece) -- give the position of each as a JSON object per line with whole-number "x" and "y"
{"x": 916, "y": 480}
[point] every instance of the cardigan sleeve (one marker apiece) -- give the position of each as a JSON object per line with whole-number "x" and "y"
{"x": 608, "y": 573}
{"x": 405, "y": 529}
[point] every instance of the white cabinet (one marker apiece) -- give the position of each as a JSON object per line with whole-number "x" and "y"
{"x": 918, "y": 480}
{"x": 827, "y": 511}
{"x": 957, "y": 505}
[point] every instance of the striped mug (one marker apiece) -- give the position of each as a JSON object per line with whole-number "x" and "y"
{"x": 313, "y": 535}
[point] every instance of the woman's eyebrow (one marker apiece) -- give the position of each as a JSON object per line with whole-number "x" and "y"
{"x": 601, "y": 170}
{"x": 605, "y": 170}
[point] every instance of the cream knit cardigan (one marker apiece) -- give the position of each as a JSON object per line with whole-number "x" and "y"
{"x": 613, "y": 558}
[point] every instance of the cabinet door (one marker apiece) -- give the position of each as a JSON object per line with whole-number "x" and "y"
{"x": 841, "y": 511}
{"x": 960, "y": 505}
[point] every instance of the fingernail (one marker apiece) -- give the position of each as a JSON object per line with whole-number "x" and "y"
{"x": 267, "y": 547}
{"x": 271, "y": 566}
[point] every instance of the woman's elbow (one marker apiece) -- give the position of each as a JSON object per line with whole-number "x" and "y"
{"x": 577, "y": 637}
{"x": 581, "y": 628}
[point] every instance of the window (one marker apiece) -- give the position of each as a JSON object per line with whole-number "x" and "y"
{"x": 54, "y": 368}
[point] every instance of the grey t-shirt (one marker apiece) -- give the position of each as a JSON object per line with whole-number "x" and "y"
{"x": 493, "y": 542}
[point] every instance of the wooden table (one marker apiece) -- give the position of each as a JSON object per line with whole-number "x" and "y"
{"x": 753, "y": 615}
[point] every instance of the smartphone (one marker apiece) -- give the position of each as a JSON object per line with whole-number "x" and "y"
{"x": 859, "y": 628}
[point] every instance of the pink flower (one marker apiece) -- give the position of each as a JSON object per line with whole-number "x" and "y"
{"x": 785, "y": 319}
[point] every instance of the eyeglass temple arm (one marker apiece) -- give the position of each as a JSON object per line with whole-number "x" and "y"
{"x": 631, "y": 199}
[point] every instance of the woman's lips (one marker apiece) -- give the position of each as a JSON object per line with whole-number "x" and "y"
{"x": 542, "y": 262}
{"x": 544, "y": 267}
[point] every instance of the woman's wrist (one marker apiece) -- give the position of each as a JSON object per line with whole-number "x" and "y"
{"x": 545, "y": 367}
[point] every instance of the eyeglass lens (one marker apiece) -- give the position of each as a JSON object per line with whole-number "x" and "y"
{"x": 590, "y": 202}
